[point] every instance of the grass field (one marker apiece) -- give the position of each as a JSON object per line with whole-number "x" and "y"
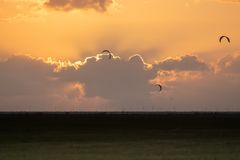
{"x": 54, "y": 138}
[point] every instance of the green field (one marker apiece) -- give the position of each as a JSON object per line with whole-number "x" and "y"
{"x": 122, "y": 145}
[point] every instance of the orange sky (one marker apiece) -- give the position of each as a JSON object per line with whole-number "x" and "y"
{"x": 172, "y": 43}
{"x": 154, "y": 28}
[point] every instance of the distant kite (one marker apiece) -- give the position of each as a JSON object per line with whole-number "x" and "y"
{"x": 224, "y": 37}
{"x": 110, "y": 56}
{"x": 107, "y": 51}
{"x": 160, "y": 87}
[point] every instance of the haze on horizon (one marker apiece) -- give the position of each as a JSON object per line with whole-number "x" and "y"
{"x": 50, "y": 55}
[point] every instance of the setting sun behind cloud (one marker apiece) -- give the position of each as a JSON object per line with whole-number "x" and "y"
{"x": 177, "y": 40}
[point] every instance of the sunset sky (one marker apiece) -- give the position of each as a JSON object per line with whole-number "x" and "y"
{"x": 50, "y": 55}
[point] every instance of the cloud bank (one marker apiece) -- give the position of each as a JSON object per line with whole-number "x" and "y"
{"x": 29, "y": 83}
{"x": 184, "y": 63}
{"x": 67, "y": 5}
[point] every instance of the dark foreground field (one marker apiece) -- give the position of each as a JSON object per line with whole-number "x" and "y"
{"x": 119, "y": 136}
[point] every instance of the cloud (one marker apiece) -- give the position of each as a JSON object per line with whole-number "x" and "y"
{"x": 211, "y": 92}
{"x": 22, "y": 74}
{"x": 29, "y": 83}
{"x": 184, "y": 63}
{"x": 67, "y": 5}
{"x": 198, "y": 90}
{"x": 25, "y": 10}
{"x": 230, "y": 64}
{"x": 100, "y": 83}
{"x": 121, "y": 81}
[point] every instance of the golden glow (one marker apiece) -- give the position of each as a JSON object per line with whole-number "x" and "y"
{"x": 154, "y": 29}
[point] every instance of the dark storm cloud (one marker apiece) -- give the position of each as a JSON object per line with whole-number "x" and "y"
{"x": 184, "y": 63}
{"x": 66, "y": 5}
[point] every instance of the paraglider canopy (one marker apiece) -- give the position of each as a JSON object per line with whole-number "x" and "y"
{"x": 224, "y": 37}
{"x": 107, "y": 52}
{"x": 160, "y": 87}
